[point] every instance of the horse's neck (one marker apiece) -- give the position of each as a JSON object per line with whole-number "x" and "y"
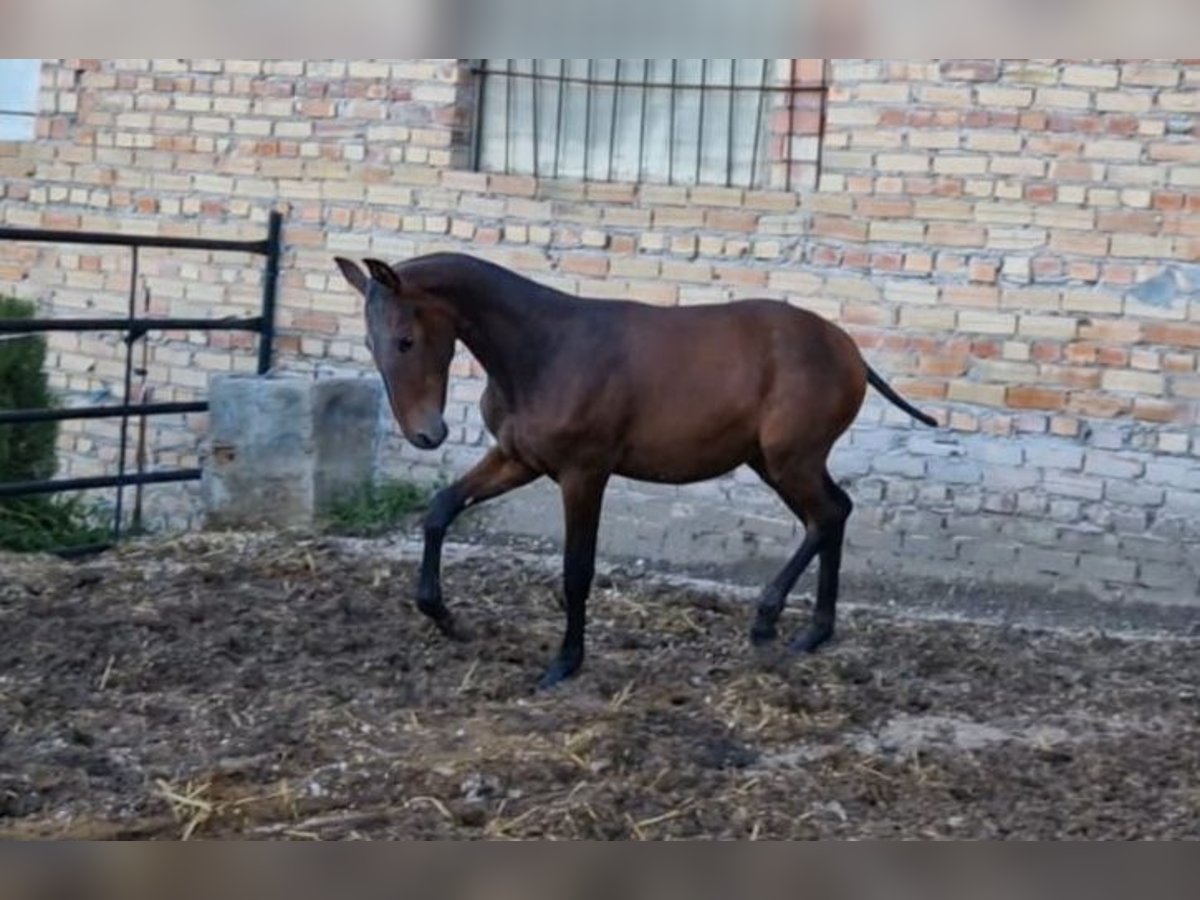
{"x": 508, "y": 326}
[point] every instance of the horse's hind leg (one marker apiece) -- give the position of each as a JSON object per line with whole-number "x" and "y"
{"x": 833, "y": 535}
{"x": 823, "y": 507}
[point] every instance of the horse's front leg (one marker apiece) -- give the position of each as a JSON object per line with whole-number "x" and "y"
{"x": 492, "y": 476}
{"x": 583, "y": 497}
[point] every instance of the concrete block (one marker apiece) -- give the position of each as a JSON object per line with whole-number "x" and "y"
{"x": 281, "y": 449}
{"x": 1133, "y": 494}
{"x": 1083, "y": 487}
{"x": 902, "y": 463}
{"x": 1054, "y": 456}
{"x": 1108, "y": 568}
{"x": 988, "y": 553}
{"x": 1011, "y": 478}
{"x": 1112, "y": 465}
{"x": 955, "y": 471}
{"x": 1166, "y": 576}
{"x": 1052, "y": 561}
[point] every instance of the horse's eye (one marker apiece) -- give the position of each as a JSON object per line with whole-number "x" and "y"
{"x": 404, "y": 344}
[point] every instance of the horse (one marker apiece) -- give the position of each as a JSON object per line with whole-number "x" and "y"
{"x": 582, "y": 389}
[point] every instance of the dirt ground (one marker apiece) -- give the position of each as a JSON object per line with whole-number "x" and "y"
{"x": 273, "y": 688}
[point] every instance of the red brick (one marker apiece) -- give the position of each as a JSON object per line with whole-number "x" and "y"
{"x": 942, "y": 366}
{"x": 1041, "y": 193}
{"x": 624, "y": 243}
{"x": 1128, "y": 221}
{"x": 1167, "y": 200}
{"x": 1028, "y": 397}
{"x": 920, "y": 388}
{"x": 983, "y": 270}
{"x": 1072, "y": 377}
{"x": 971, "y": 69}
{"x": 856, "y": 258}
{"x": 731, "y": 220}
{"x": 741, "y": 275}
{"x": 986, "y": 349}
{"x": 1155, "y": 410}
{"x": 866, "y": 314}
{"x": 878, "y": 208}
{"x": 1097, "y": 404}
{"x": 1046, "y": 351}
{"x": 887, "y": 262}
{"x": 826, "y": 256}
{"x": 1113, "y": 357}
{"x": 579, "y": 264}
{"x": 1032, "y": 121}
{"x": 1047, "y": 268}
{"x": 1172, "y": 334}
{"x": 1119, "y": 331}
{"x": 844, "y": 229}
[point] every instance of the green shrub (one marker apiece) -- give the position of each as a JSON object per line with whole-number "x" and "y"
{"x": 28, "y": 452}
{"x": 374, "y": 509}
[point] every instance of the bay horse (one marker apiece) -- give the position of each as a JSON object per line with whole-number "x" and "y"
{"x": 582, "y": 389}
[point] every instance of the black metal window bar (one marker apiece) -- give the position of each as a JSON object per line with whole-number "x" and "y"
{"x": 136, "y": 328}
{"x": 724, "y": 122}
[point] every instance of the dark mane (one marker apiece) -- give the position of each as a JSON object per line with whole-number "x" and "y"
{"x": 460, "y": 272}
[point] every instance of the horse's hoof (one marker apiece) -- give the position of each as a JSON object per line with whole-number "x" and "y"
{"x": 559, "y": 671}
{"x": 810, "y": 639}
{"x": 454, "y": 630}
{"x": 762, "y": 634}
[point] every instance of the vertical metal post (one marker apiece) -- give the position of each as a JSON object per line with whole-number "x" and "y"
{"x": 587, "y": 117}
{"x": 266, "y": 343}
{"x": 143, "y": 398}
{"x": 508, "y": 135}
{"x": 671, "y": 132}
{"x": 759, "y": 125}
{"x": 732, "y": 112}
{"x": 558, "y": 116}
{"x": 645, "y": 91}
{"x": 131, "y": 334}
{"x": 535, "y": 84}
{"x": 700, "y": 119}
{"x": 612, "y": 125}
{"x": 787, "y": 145}
{"x": 477, "y": 142}
{"x": 821, "y": 123}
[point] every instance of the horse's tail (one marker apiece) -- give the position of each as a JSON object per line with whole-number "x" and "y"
{"x": 877, "y": 382}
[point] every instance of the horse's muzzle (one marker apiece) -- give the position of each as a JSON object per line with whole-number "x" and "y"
{"x": 430, "y": 438}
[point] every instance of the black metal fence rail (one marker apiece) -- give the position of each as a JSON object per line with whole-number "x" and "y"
{"x": 135, "y": 328}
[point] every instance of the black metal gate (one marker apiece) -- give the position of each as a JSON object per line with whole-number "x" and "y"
{"x": 136, "y": 328}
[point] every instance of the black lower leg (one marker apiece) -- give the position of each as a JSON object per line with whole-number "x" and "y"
{"x": 582, "y": 498}
{"x": 825, "y": 610}
{"x": 577, "y": 585}
{"x": 774, "y": 596}
{"x": 445, "y": 507}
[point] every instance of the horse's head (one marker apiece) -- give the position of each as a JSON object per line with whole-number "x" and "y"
{"x": 412, "y": 343}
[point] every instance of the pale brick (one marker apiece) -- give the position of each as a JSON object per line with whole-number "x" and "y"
{"x": 1053, "y": 327}
{"x": 970, "y": 392}
{"x": 972, "y": 320}
{"x": 1151, "y": 383}
{"x": 1061, "y": 98}
{"x": 1091, "y": 76}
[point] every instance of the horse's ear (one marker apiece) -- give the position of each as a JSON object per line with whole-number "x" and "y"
{"x": 384, "y": 274}
{"x": 353, "y": 274}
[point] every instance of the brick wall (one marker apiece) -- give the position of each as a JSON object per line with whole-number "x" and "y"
{"x": 1015, "y": 243}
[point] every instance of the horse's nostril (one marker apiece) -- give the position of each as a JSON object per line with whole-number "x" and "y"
{"x": 423, "y": 441}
